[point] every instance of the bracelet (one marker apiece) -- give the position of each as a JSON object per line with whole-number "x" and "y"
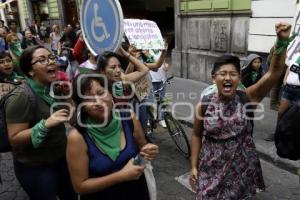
{"x": 39, "y": 133}
{"x": 283, "y": 44}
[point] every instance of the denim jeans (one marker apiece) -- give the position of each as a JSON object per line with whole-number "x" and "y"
{"x": 141, "y": 109}
{"x": 46, "y": 182}
{"x": 162, "y": 93}
{"x": 291, "y": 93}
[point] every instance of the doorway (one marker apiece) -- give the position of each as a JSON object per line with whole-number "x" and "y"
{"x": 70, "y": 12}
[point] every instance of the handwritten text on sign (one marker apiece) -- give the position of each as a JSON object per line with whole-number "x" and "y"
{"x": 143, "y": 34}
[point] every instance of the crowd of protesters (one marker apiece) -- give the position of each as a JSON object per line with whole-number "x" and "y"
{"x": 47, "y": 160}
{"x": 96, "y": 162}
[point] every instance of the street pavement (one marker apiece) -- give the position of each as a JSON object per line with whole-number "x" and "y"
{"x": 280, "y": 174}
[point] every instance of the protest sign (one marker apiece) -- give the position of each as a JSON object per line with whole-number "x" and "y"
{"x": 143, "y": 34}
{"x": 142, "y": 88}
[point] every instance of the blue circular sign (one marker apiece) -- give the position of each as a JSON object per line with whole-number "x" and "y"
{"x": 102, "y": 25}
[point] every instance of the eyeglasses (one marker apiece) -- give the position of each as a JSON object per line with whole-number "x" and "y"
{"x": 3, "y": 61}
{"x": 232, "y": 74}
{"x": 45, "y": 60}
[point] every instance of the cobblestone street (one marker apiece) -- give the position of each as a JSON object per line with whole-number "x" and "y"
{"x": 10, "y": 188}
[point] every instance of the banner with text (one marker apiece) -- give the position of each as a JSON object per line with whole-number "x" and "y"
{"x": 143, "y": 34}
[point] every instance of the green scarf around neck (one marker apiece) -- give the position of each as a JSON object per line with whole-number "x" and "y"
{"x": 41, "y": 91}
{"x": 16, "y": 48}
{"x": 107, "y": 138}
{"x": 253, "y": 75}
{"x": 14, "y": 78}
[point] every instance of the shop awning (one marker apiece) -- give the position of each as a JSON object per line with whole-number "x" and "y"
{"x": 2, "y": 5}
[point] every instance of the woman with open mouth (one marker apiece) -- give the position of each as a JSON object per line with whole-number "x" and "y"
{"x": 224, "y": 161}
{"x": 8, "y": 73}
{"x": 37, "y": 136}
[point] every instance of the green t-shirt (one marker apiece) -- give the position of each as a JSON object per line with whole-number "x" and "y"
{"x": 20, "y": 109}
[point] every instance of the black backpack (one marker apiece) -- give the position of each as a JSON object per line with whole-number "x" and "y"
{"x": 4, "y": 142}
{"x": 287, "y": 134}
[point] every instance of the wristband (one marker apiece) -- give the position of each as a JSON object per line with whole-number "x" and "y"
{"x": 283, "y": 44}
{"x": 39, "y": 133}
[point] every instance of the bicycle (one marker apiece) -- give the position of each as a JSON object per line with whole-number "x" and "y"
{"x": 174, "y": 127}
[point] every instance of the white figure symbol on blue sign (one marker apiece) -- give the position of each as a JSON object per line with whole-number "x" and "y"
{"x": 98, "y": 22}
{"x": 102, "y": 25}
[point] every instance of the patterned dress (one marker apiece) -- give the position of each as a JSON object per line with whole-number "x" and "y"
{"x": 229, "y": 168}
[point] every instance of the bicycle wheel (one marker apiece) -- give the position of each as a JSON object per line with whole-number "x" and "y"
{"x": 178, "y": 135}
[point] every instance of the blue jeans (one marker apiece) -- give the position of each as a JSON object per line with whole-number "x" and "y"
{"x": 161, "y": 95}
{"x": 141, "y": 109}
{"x": 45, "y": 182}
{"x": 291, "y": 93}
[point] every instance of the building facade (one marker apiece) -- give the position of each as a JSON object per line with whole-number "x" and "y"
{"x": 61, "y": 12}
{"x": 206, "y": 29}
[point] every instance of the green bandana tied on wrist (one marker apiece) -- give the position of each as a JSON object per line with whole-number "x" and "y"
{"x": 107, "y": 138}
{"x": 283, "y": 44}
{"x": 41, "y": 91}
{"x": 39, "y": 133}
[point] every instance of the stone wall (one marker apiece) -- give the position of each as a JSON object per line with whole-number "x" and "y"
{"x": 201, "y": 37}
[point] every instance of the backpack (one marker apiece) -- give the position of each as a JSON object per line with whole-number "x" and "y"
{"x": 4, "y": 141}
{"x": 287, "y": 134}
{"x": 243, "y": 99}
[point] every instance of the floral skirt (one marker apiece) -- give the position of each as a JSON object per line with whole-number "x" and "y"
{"x": 229, "y": 169}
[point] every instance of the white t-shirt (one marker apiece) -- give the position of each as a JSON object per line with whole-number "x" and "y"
{"x": 293, "y": 78}
{"x": 161, "y": 74}
{"x": 87, "y": 64}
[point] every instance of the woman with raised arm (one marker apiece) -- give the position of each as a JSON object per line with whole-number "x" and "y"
{"x": 224, "y": 161}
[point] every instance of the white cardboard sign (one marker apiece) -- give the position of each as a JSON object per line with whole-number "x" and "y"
{"x": 143, "y": 34}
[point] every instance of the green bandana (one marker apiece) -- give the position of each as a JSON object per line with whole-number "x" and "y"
{"x": 298, "y": 60}
{"x": 107, "y": 138}
{"x": 29, "y": 43}
{"x": 16, "y": 48}
{"x": 283, "y": 44}
{"x": 41, "y": 91}
{"x": 150, "y": 59}
{"x": 14, "y": 78}
{"x": 253, "y": 75}
{"x": 118, "y": 89}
